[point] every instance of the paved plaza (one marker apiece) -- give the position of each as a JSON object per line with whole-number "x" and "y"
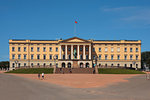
{"x": 123, "y": 87}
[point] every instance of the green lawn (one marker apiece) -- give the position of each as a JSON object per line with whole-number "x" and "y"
{"x": 118, "y": 71}
{"x": 32, "y": 71}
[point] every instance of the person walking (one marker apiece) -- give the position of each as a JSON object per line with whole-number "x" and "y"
{"x": 147, "y": 73}
{"x": 39, "y": 75}
{"x": 42, "y": 75}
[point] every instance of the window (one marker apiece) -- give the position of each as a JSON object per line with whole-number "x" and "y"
{"x": 38, "y": 49}
{"x": 81, "y": 49}
{"x": 32, "y": 56}
{"x": 25, "y": 56}
{"x": 105, "y": 57}
{"x": 50, "y": 64}
{"x": 38, "y": 56}
{"x": 93, "y": 49}
{"x": 125, "y": 65}
{"x": 99, "y": 49}
{"x": 32, "y": 64}
{"x": 38, "y": 64}
{"x": 118, "y": 65}
{"x": 125, "y": 49}
{"x": 50, "y": 49}
{"x": 87, "y": 57}
{"x": 112, "y": 57}
{"x": 13, "y": 65}
{"x": 105, "y": 65}
{"x": 118, "y": 57}
{"x": 69, "y": 56}
{"x": 130, "y": 65}
{"x": 44, "y": 49}
{"x": 94, "y": 57}
{"x": 69, "y": 49}
{"x": 81, "y": 57}
{"x": 50, "y": 56}
{"x": 13, "y": 56}
{"x": 44, "y": 57}
{"x": 106, "y": 49}
{"x": 112, "y": 49}
{"x": 24, "y": 64}
{"x": 118, "y": 49}
{"x": 136, "y": 65}
{"x": 56, "y": 49}
{"x": 25, "y": 49}
{"x": 137, "y": 50}
{"x": 63, "y": 48}
{"x": 19, "y": 64}
{"x": 31, "y": 49}
{"x": 99, "y": 57}
{"x": 86, "y": 48}
{"x": 130, "y": 49}
{"x": 13, "y": 48}
{"x": 44, "y": 64}
{"x": 112, "y": 65}
{"x": 56, "y": 64}
{"x": 125, "y": 57}
{"x": 19, "y": 56}
{"x": 63, "y": 56}
{"x": 137, "y": 57}
{"x": 56, "y": 56}
{"x": 19, "y": 49}
{"x": 131, "y": 57}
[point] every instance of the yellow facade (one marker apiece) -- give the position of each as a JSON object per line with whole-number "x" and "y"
{"x": 75, "y": 52}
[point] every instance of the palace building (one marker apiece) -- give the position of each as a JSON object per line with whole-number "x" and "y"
{"x": 74, "y": 52}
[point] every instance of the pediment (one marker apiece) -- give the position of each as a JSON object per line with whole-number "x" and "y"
{"x": 75, "y": 40}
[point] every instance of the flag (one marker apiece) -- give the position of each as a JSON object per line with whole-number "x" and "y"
{"x": 76, "y": 22}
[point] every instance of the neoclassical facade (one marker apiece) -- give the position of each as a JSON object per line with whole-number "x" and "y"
{"x": 75, "y": 52}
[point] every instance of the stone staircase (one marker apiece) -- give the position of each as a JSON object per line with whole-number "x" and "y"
{"x": 74, "y": 70}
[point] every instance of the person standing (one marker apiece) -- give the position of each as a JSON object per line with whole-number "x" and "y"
{"x": 39, "y": 75}
{"x": 42, "y": 75}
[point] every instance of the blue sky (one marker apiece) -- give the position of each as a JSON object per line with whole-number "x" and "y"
{"x": 53, "y": 19}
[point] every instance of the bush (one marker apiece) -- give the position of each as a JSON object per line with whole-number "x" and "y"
{"x": 118, "y": 71}
{"x": 32, "y": 71}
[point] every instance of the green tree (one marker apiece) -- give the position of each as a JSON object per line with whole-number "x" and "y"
{"x": 145, "y": 58}
{"x": 4, "y": 65}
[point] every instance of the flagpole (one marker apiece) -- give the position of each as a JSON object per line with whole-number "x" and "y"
{"x": 75, "y": 29}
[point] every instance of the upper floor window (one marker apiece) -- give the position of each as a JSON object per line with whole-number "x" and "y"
{"x": 19, "y": 56}
{"x": 106, "y": 49}
{"x": 118, "y": 57}
{"x": 81, "y": 57}
{"x": 131, "y": 57}
{"x": 86, "y": 48}
{"x": 118, "y": 49}
{"x": 25, "y": 56}
{"x": 125, "y": 57}
{"x": 13, "y": 56}
{"x": 87, "y": 57}
{"x": 112, "y": 57}
{"x": 19, "y": 49}
{"x": 25, "y": 49}
{"x": 50, "y": 49}
{"x": 125, "y": 49}
{"x": 137, "y": 49}
{"x": 81, "y": 49}
{"x": 50, "y": 56}
{"x": 44, "y": 49}
{"x": 106, "y": 57}
{"x": 13, "y": 48}
{"x": 56, "y": 49}
{"x": 99, "y": 57}
{"x": 63, "y": 48}
{"x": 69, "y": 49}
{"x": 44, "y": 57}
{"x": 69, "y": 56}
{"x": 56, "y": 56}
{"x": 38, "y": 56}
{"x": 63, "y": 56}
{"x": 99, "y": 49}
{"x": 31, "y": 49}
{"x": 93, "y": 49}
{"x": 38, "y": 49}
{"x": 112, "y": 49}
{"x": 94, "y": 57}
{"x": 137, "y": 57}
{"x": 130, "y": 49}
{"x": 32, "y": 56}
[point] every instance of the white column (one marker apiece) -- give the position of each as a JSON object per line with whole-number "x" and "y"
{"x": 78, "y": 52}
{"x": 71, "y": 51}
{"x": 83, "y": 51}
{"x": 89, "y": 51}
{"x": 66, "y": 52}
{"x": 60, "y": 52}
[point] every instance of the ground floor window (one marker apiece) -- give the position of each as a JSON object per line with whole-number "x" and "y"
{"x": 24, "y": 64}
{"x": 130, "y": 65}
{"x": 69, "y": 65}
{"x": 87, "y": 65}
{"x": 112, "y": 65}
{"x": 32, "y": 64}
{"x": 13, "y": 65}
{"x": 63, "y": 65}
{"x": 50, "y": 64}
{"x": 118, "y": 65}
{"x": 125, "y": 65}
{"x": 19, "y": 64}
{"x": 136, "y": 65}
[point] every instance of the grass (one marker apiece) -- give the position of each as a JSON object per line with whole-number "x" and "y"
{"x": 118, "y": 71}
{"x": 32, "y": 71}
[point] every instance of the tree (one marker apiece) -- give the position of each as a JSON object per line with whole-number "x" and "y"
{"x": 145, "y": 58}
{"x": 4, "y": 65}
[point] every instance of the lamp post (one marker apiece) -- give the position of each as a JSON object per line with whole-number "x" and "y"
{"x": 54, "y": 57}
{"x": 95, "y": 65}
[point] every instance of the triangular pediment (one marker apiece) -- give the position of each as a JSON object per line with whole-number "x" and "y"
{"x": 75, "y": 40}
